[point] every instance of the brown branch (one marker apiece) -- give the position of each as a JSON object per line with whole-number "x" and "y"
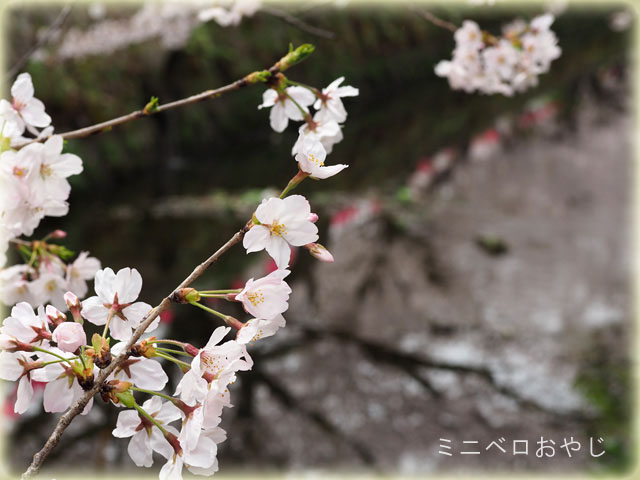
{"x": 298, "y": 23}
{"x": 430, "y": 17}
{"x": 78, "y": 407}
{"x": 146, "y": 112}
{"x": 44, "y": 39}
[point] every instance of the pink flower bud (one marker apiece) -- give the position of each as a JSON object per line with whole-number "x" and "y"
{"x": 75, "y": 307}
{"x": 55, "y": 316}
{"x": 319, "y": 252}
{"x": 313, "y": 217}
{"x": 58, "y": 234}
{"x": 72, "y": 300}
{"x": 69, "y": 336}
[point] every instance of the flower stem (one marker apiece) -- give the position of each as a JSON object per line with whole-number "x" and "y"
{"x": 169, "y": 341}
{"x": 38, "y": 349}
{"x": 170, "y": 350}
{"x": 228, "y": 319}
{"x": 210, "y": 310}
{"x": 59, "y": 361}
{"x": 158, "y": 394}
{"x": 106, "y": 325}
{"x": 142, "y": 412}
{"x": 294, "y": 182}
{"x": 302, "y": 110}
{"x": 308, "y": 87}
{"x": 172, "y": 359}
{"x": 237, "y": 290}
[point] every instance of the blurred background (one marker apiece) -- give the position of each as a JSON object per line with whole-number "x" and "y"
{"x": 481, "y": 288}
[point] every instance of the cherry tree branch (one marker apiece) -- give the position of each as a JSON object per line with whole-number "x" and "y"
{"x": 43, "y": 40}
{"x": 264, "y": 76}
{"x": 80, "y": 404}
{"x": 430, "y": 17}
{"x": 298, "y": 23}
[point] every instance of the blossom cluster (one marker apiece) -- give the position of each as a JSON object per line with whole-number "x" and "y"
{"x": 293, "y": 102}
{"x": 171, "y": 22}
{"x": 45, "y": 338}
{"x": 507, "y": 64}
{"x": 33, "y": 179}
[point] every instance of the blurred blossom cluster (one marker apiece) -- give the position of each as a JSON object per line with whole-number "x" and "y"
{"x": 507, "y": 64}
{"x": 170, "y": 22}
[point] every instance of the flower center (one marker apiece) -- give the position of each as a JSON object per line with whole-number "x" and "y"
{"x": 278, "y": 229}
{"x": 315, "y": 160}
{"x": 51, "y": 285}
{"x": 17, "y": 105}
{"x": 45, "y": 170}
{"x": 18, "y": 172}
{"x": 211, "y": 363}
{"x": 256, "y": 298}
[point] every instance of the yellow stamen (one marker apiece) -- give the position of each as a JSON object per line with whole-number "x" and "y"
{"x": 315, "y": 160}
{"x": 256, "y": 298}
{"x": 278, "y": 229}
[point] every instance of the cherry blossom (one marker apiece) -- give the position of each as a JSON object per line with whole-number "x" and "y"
{"x": 82, "y": 269}
{"x": 258, "y": 328}
{"x": 142, "y": 372}
{"x": 25, "y": 326}
{"x": 69, "y": 336}
{"x": 311, "y": 158}
{"x": 200, "y": 460}
{"x": 283, "y": 222}
{"x": 214, "y": 363}
{"x": 25, "y": 110}
{"x": 63, "y": 388}
{"x": 267, "y": 296}
{"x": 14, "y": 287}
{"x": 16, "y": 366}
{"x": 329, "y": 105}
{"x": 230, "y": 12}
{"x": 116, "y": 294}
{"x": 283, "y": 105}
{"x": 145, "y": 436}
{"x": 327, "y": 131}
{"x": 501, "y": 65}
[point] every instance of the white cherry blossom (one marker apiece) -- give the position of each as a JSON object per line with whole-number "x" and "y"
{"x": 213, "y": 364}
{"x": 145, "y": 436}
{"x": 329, "y": 105}
{"x": 258, "y": 328}
{"x": 200, "y": 460}
{"x": 116, "y": 294}
{"x": 267, "y": 296}
{"x": 63, "y": 388}
{"x": 230, "y": 12}
{"x": 327, "y": 131}
{"x": 311, "y": 158}
{"x": 82, "y": 269}
{"x": 283, "y": 108}
{"x": 25, "y": 110}
{"x": 142, "y": 372}
{"x": 283, "y": 222}
{"x": 16, "y": 366}
{"x": 26, "y": 326}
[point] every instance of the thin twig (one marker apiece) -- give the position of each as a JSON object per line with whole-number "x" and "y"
{"x": 109, "y": 124}
{"x": 42, "y": 41}
{"x": 430, "y": 17}
{"x": 298, "y": 23}
{"x": 80, "y": 404}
